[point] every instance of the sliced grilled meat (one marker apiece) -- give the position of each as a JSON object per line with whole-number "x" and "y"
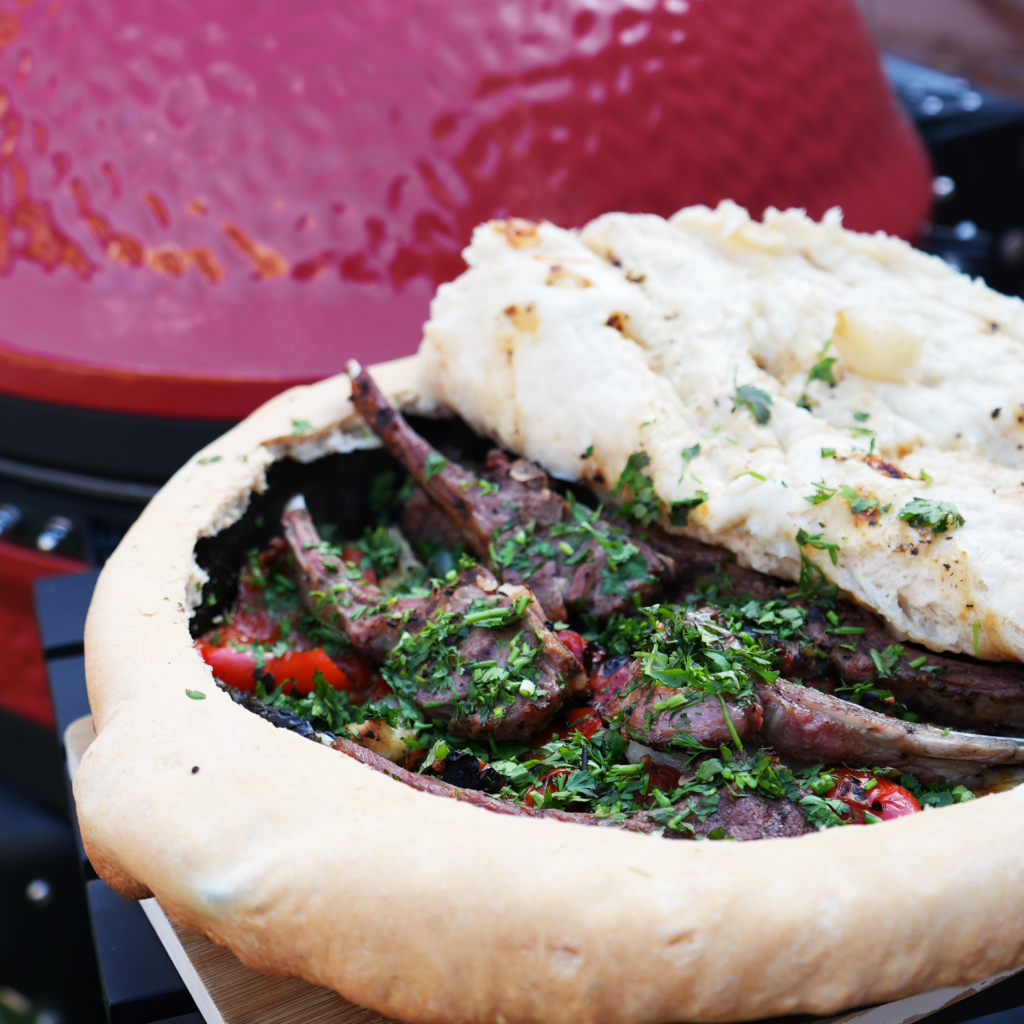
{"x": 693, "y": 559}
{"x": 802, "y": 723}
{"x": 747, "y": 818}
{"x": 701, "y": 723}
{"x": 512, "y": 521}
{"x": 948, "y": 689}
{"x": 445, "y": 683}
{"x": 742, "y": 818}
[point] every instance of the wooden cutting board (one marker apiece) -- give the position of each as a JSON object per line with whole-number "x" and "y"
{"x": 228, "y": 992}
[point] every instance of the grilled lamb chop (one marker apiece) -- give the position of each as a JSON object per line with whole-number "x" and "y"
{"x": 948, "y": 689}
{"x": 446, "y": 683}
{"x": 702, "y": 722}
{"x": 805, "y": 724}
{"x": 512, "y": 521}
{"x": 800, "y": 722}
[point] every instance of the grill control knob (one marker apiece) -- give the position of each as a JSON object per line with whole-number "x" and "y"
{"x": 10, "y": 516}
{"x": 55, "y": 530}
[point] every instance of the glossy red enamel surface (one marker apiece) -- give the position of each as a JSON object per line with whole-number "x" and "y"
{"x": 23, "y": 689}
{"x": 254, "y": 192}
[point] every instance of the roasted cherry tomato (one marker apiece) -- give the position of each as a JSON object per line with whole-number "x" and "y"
{"x": 573, "y": 642}
{"x": 545, "y": 784}
{"x": 885, "y": 799}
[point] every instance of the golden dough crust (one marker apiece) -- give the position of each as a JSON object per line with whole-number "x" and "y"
{"x": 306, "y": 863}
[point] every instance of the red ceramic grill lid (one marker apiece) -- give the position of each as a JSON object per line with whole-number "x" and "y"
{"x": 200, "y": 203}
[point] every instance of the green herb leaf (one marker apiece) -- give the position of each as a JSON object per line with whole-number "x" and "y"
{"x": 939, "y": 516}
{"x": 821, "y": 493}
{"x": 689, "y": 454}
{"x": 644, "y": 504}
{"x": 818, "y": 543}
{"x": 886, "y": 661}
{"x": 300, "y": 427}
{"x": 858, "y": 503}
{"x": 862, "y": 417}
{"x": 195, "y": 694}
{"x": 679, "y": 511}
{"x": 433, "y": 465}
{"x": 757, "y": 402}
{"x": 823, "y": 371}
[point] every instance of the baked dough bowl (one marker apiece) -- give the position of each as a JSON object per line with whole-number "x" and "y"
{"x": 307, "y": 863}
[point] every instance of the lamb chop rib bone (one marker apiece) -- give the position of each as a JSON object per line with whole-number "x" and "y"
{"x": 804, "y": 723}
{"x": 515, "y": 498}
{"x": 375, "y": 625}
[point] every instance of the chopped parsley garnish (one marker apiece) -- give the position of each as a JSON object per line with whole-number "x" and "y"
{"x": 887, "y": 661}
{"x": 435, "y": 463}
{"x": 858, "y": 503}
{"x": 572, "y": 542}
{"x": 821, "y": 493}
{"x": 381, "y": 549}
{"x": 757, "y": 402}
{"x": 818, "y": 543}
{"x": 679, "y": 511}
{"x": 300, "y": 427}
{"x": 823, "y": 370}
{"x": 938, "y": 516}
{"x": 431, "y": 660}
{"x": 936, "y": 794}
{"x": 862, "y": 417}
{"x": 813, "y": 583}
{"x": 195, "y": 694}
{"x": 689, "y": 454}
{"x": 643, "y": 505}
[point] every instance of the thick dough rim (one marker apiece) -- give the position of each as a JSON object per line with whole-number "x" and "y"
{"x": 306, "y": 863}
